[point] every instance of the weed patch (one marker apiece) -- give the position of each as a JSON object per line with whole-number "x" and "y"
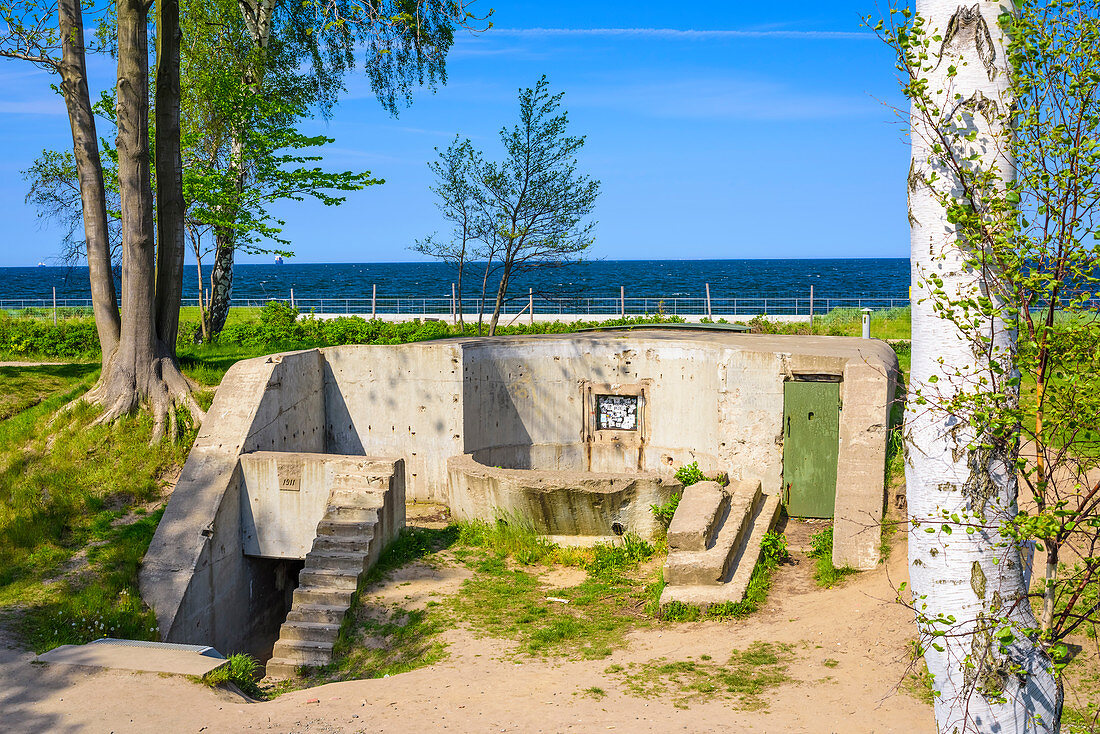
{"x": 743, "y": 680}
{"x": 821, "y": 549}
{"x": 505, "y": 599}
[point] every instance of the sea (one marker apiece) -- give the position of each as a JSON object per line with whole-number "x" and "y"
{"x": 758, "y": 278}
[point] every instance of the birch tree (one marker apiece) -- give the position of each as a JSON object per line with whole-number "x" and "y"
{"x": 970, "y": 569}
{"x": 405, "y": 45}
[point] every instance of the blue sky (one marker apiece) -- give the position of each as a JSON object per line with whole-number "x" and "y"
{"x": 742, "y": 130}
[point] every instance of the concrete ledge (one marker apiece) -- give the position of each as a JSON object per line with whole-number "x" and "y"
{"x": 559, "y": 502}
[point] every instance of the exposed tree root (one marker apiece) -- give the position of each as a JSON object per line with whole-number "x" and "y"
{"x": 158, "y": 383}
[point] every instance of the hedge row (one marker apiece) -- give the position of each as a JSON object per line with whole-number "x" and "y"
{"x": 279, "y": 328}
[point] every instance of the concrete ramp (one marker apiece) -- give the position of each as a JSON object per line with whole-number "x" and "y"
{"x": 714, "y": 542}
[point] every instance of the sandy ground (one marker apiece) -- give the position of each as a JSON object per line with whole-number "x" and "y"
{"x": 480, "y": 688}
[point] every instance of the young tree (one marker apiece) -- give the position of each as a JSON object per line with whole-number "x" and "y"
{"x": 531, "y": 209}
{"x": 458, "y": 206}
{"x": 1003, "y": 192}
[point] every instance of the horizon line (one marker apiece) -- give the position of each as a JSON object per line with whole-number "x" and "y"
{"x": 685, "y": 33}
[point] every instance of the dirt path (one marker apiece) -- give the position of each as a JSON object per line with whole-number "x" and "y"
{"x": 856, "y": 628}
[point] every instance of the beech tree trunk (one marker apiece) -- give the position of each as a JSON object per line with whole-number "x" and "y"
{"x": 89, "y": 167}
{"x": 169, "y": 166}
{"x": 142, "y": 368}
{"x": 975, "y": 579}
{"x": 502, "y": 291}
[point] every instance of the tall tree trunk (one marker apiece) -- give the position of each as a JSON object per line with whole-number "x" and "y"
{"x": 975, "y": 579}
{"x": 169, "y": 166}
{"x": 74, "y": 89}
{"x": 142, "y": 368}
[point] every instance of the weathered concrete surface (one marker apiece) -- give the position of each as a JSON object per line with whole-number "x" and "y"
{"x": 195, "y": 575}
{"x": 401, "y": 400}
{"x": 286, "y": 495}
{"x": 697, "y": 516}
{"x": 559, "y": 502}
{"x": 520, "y": 402}
{"x": 149, "y": 657}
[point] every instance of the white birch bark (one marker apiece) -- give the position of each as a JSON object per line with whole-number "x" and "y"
{"x": 977, "y": 579}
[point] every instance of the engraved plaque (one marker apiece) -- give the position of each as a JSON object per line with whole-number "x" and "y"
{"x": 617, "y": 412}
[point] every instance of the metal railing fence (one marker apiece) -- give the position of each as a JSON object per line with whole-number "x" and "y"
{"x": 565, "y": 306}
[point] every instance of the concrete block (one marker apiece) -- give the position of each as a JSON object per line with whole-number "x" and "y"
{"x": 701, "y": 507}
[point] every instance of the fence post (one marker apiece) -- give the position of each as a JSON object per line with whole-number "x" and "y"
{"x": 866, "y": 323}
{"x": 710, "y": 315}
{"x": 292, "y": 298}
{"x": 454, "y": 308}
{"x": 531, "y": 303}
{"x": 622, "y": 301}
{"x": 55, "y": 305}
{"x": 373, "y": 301}
{"x": 811, "y": 309}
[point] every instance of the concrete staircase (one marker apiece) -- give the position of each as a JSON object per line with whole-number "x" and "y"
{"x": 714, "y": 542}
{"x": 360, "y": 519}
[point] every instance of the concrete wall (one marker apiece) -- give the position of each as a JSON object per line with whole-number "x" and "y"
{"x": 285, "y": 495}
{"x": 518, "y": 402}
{"x": 402, "y": 400}
{"x": 195, "y": 575}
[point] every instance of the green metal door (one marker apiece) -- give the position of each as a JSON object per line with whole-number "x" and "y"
{"x": 811, "y": 435}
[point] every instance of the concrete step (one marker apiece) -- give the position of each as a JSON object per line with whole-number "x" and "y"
{"x": 347, "y": 528}
{"x": 328, "y": 578}
{"x": 713, "y": 565}
{"x": 317, "y": 613}
{"x": 280, "y": 668}
{"x": 341, "y": 544}
{"x": 310, "y": 631}
{"x": 695, "y": 524}
{"x": 346, "y": 513}
{"x": 303, "y": 652}
{"x": 762, "y": 523}
{"x": 336, "y": 561}
{"x": 329, "y": 597}
{"x": 705, "y": 595}
{"x": 356, "y": 498}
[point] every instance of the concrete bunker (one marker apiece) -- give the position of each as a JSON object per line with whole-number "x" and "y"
{"x": 578, "y": 433}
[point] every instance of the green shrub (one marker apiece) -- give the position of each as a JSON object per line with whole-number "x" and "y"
{"x": 241, "y": 672}
{"x": 689, "y": 474}
{"x": 664, "y": 512}
{"x": 774, "y": 547}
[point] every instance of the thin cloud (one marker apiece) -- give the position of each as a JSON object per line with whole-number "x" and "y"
{"x": 34, "y": 107}
{"x": 687, "y": 34}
